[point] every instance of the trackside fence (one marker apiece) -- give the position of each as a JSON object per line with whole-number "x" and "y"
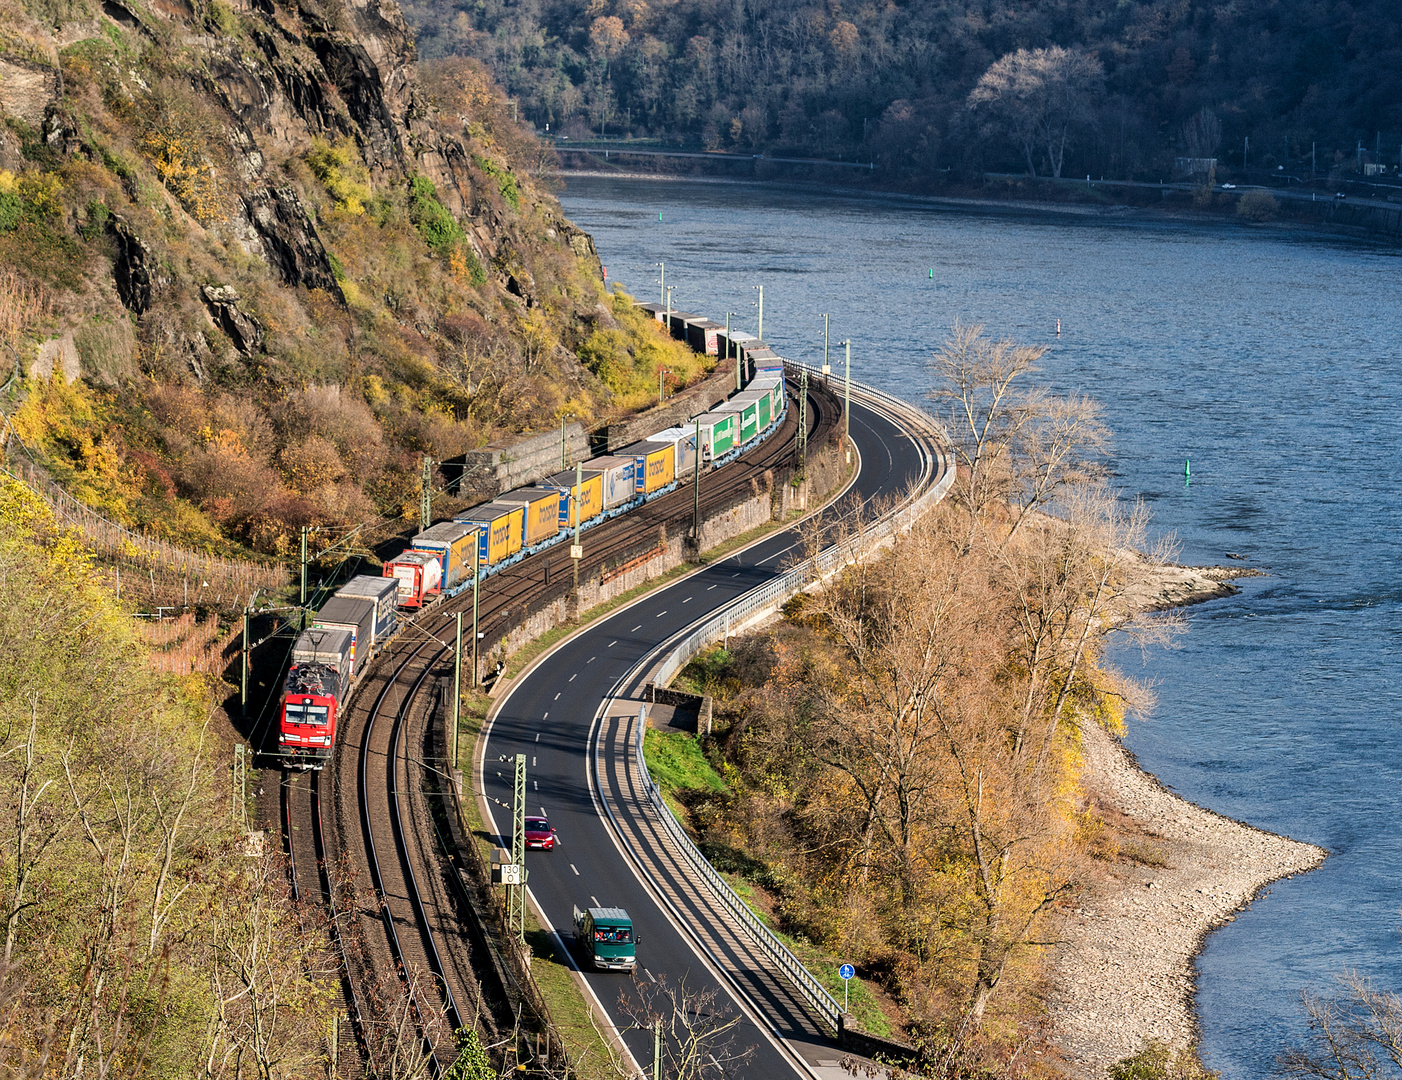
{"x": 766, "y": 598}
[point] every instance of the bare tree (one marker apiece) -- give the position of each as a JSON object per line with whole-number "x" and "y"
{"x": 1014, "y": 445}
{"x": 696, "y": 1034}
{"x": 1202, "y": 134}
{"x": 1038, "y": 97}
{"x": 35, "y": 827}
{"x": 1355, "y": 1035}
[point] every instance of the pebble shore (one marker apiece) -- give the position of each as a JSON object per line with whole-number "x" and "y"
{"x": 1124, "y": 972}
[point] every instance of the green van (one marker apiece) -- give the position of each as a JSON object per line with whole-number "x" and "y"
{"x": 606, "y": 936}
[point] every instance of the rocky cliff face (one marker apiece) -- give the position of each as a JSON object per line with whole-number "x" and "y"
{"x": 289, "y": 261}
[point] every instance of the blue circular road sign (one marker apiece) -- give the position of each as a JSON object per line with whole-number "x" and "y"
{"x": 847, "y": 971}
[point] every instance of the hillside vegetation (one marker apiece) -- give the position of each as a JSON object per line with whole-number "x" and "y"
{"x": 254, "y": 263}
{"x": 140, "y": 937}
{"x": 1117, "y": 88}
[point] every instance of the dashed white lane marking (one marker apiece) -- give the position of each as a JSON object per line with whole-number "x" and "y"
{"x": 648, "y": 974}
{"x": 572, "y": 678}
{"x": 591, "y": 660}
{"x": 537, "y": 736}
{"x": 545, "y": 716}
{"x": 710, "y": 587}
{"x": 557, "y": 697}
{"x": 532, "y": 761}
{"x": 736, "y": 574}
{"x": 537, "y": 785}
{"x": 612, "y": 644}
{"x": 575, "y": 869}
{"x": 687, "y": 600}
{"x": 543, "y": 813}
{"x": 660, "y": 614}
{"x": 636, "y": 628}
{"x": 595, "y": 899}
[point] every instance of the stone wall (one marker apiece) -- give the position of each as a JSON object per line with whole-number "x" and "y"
{"x": 515, "y": 462}
{"x": 678, "y": 409}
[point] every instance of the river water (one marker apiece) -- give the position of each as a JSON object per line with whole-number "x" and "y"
{"x": 1270, "y": 360}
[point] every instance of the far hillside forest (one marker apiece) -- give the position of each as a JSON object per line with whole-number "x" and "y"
{"x": 934, "y": 91}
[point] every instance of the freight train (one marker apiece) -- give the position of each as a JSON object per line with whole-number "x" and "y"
{"x": 330, "y": 657}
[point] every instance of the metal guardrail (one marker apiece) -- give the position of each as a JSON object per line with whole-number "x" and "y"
{"x": 719, "y": 624}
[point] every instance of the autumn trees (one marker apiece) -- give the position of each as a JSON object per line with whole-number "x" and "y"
{"x": 906, "y": 743}
{"x": 141, "y": 938}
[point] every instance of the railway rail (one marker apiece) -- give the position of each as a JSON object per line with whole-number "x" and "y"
{"x": 385, "y": 821}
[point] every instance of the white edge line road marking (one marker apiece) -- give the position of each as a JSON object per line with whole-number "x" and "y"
{"x": 485, "y": 807}
{"x": 593, "y": 767}
{"x": 615, "y": 1036}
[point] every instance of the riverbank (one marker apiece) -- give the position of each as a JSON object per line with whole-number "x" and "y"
{"x": 1123, "y": 972}
{"x": 1326, "y": 219}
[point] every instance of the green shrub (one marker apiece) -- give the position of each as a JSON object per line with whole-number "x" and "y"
{"x": 1257, "y": 206}
{"x": 341, "y": 171}
{"x": 1158, "y": 1061}
{"x": 506, "y": 183}
{"x": 11, "y": 211}
{"x": 440, "y": 229}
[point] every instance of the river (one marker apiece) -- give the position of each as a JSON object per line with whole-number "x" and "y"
{"x": 1268, "y": 358}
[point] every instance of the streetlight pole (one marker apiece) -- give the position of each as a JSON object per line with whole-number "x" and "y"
{"x": 661, "y": 372}
{"x": 663, "y": 267}
{"x": 668, "y": 323}
{"x": 577, "y": 552}
{"x": 728, "y": 314}
{"x": 696, "y": 504}
{"x": 826, "y": 327}
{"x": 847, "y": 406}
{"x": 457, "y": 698}
{"x": 563, "y": 418}
{"x": 476, "y": 579}
{"x": 760, "y": 332}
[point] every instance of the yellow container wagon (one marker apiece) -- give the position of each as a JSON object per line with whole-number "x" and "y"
{"x": 587, "y": 499}
{"x": 501, "y": 526}
{"x": 542, "y": 518}
{"x": 656, "y": 468}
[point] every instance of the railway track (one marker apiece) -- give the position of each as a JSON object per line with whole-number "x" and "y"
{"x": 386, "y": 821}
{"x": 299, "y": 798}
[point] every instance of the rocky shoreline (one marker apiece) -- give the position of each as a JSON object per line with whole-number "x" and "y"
{"x": 1123, "y": 972}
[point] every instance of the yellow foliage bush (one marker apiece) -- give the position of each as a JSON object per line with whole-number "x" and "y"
{"x": 342, "y": 172}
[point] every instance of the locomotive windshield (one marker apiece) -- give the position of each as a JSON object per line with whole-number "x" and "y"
{"x": 306, "y": 714}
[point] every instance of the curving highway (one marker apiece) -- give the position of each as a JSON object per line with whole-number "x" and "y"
{"x": 550, "y": 715}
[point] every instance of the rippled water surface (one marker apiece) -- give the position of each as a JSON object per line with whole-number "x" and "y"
{"x": 1272, "y": 361}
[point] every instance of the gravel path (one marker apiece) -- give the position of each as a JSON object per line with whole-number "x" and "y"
{"x": 1125, "y": 970}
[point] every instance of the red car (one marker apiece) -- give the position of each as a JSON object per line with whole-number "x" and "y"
{"x": 539, "y": 834}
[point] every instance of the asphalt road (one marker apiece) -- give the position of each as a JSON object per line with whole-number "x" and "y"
{"x": 548, "y": 716}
